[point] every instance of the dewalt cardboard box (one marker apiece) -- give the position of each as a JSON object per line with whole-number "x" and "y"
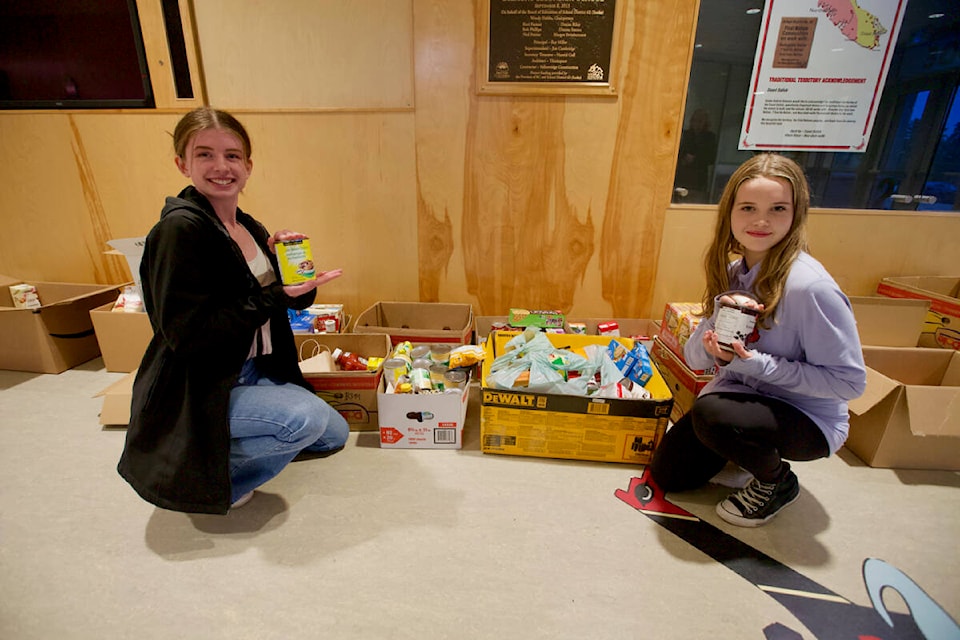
{"x": 122, "y": 336}
{"x": 684, "y": 384}
{"x": 419, "y": 322}
{"x": 352, "y": 393}
{"x": 56, "y": 336}
{"x": 422, "y": 421}
{"x": 942, "y": 326}
{"x": 518, "y": 422}
{"x": 909, "y": 415}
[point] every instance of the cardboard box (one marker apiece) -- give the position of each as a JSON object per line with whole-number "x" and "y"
{"x": 422, "y": 421}
{"x": 428, "y": 322}
{"x": 122, "y": 336}
{"x": 909, "y": 415}
{"x": 684, "y": 384}
{"x": 679, "y": 321}
{"x": 889, "y": 322}
{"x": 115, "y": 411}
{"x": 56, "y": 336}
{"x": 942, "y": 326}
{"x": 518, "y": 422}
{"x": 352, "y": 393}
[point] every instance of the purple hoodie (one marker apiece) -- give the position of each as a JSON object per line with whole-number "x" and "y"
{"x": 810, "y": 356}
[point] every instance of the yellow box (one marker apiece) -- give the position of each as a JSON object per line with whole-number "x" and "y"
{"x": 548, "y": 425}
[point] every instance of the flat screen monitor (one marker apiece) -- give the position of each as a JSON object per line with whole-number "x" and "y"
{"x": 72, "y": 54}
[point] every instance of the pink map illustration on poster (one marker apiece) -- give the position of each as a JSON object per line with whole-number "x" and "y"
{"x": 818, "y": 73}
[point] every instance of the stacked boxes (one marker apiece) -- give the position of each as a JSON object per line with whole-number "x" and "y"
{"x": 519, "y": 422}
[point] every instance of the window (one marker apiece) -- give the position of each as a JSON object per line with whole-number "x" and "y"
{"x": 912, "y": 161}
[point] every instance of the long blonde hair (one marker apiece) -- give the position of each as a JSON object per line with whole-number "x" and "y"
{"x": 772, "y": 277}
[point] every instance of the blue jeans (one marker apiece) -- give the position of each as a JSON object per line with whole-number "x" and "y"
{"x": 270, "y": 423}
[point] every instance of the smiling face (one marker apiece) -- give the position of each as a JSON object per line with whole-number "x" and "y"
{"x": 215, "y": 161}
{"x": 761, "y": 217}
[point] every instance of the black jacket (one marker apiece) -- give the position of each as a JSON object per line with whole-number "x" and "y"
{"x": 205, "y": 307}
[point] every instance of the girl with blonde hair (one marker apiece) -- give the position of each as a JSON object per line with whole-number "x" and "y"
{"x": 780, "y": 393}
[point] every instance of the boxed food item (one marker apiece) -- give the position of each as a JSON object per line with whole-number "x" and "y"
{"x": 552, "y": 425}
{"x": 422, "y": 420}
{"x": 24, "y": 296}
{"x": 318, "y": 318}
{"x": 684, "y": 384}
{"x": 543, "y": 319}
{"x": 909, "y": 415}
{"x": 680, "y": 320}
{"x": 942, "y": 326}
{"x": 123, "y": 336}
{"x": 418, "y": 322}
{"x": 352, "y": 393}
{"x": 889, "y": 322}
{"x": 55, "y": 336}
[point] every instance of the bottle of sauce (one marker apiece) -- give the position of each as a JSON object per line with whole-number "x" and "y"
{"x": 348, "y": 361}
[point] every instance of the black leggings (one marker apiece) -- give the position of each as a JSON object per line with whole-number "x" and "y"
{"x": 755, "y": 432}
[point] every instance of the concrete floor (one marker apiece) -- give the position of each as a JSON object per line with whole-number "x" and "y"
{"x": 373, "y": 543}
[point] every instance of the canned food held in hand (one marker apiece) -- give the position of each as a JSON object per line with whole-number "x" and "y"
{"x": 296, "y": 261}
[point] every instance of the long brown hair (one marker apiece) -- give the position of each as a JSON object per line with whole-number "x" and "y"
{"x": 204, "y": 118}
{"x": 772, "y": 277}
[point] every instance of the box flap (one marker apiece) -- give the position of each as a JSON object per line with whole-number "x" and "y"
{"x": 116, "y": 401}
{"x": 132, "y": 250}
{"x": 892, "y": 322}
{"x": 6, "y": 281}
{"x": 878, "y": 387}
{"x": 934, "y": 411}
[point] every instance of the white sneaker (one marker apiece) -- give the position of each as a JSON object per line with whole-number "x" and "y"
{"x": 242, "y": 500}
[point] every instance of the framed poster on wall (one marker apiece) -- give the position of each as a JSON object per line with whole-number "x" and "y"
{"x": 537, "y": 47}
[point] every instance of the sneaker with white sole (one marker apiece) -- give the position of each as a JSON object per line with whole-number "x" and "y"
{"x": 758, "y": 502}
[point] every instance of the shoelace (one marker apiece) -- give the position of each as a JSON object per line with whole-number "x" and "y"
{"x": 755, "y": 495}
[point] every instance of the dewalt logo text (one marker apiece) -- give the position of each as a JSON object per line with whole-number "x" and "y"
{"x": 509, "y": 399}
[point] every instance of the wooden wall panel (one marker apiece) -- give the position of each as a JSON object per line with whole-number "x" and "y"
{"x": 306, "y": 54}
{"x": 859, "y": 248}
{"x": 559, "y": 206}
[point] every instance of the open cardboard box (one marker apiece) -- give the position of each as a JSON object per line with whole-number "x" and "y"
{"x": 352, "y": 393}
{"x": 422, "y": 421}
{"x": 909, "y": 415}
{"x": 684, "y": 383}
{"x": 123, "y": 336}
{"x": 942, "y": 326}
{"x": 56, "y": 336}
{"x": 418, "y": 322}
{"x": 550, "y": 425}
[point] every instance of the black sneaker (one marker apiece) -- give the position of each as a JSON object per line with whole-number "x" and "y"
{"x": 758, "y": 502}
